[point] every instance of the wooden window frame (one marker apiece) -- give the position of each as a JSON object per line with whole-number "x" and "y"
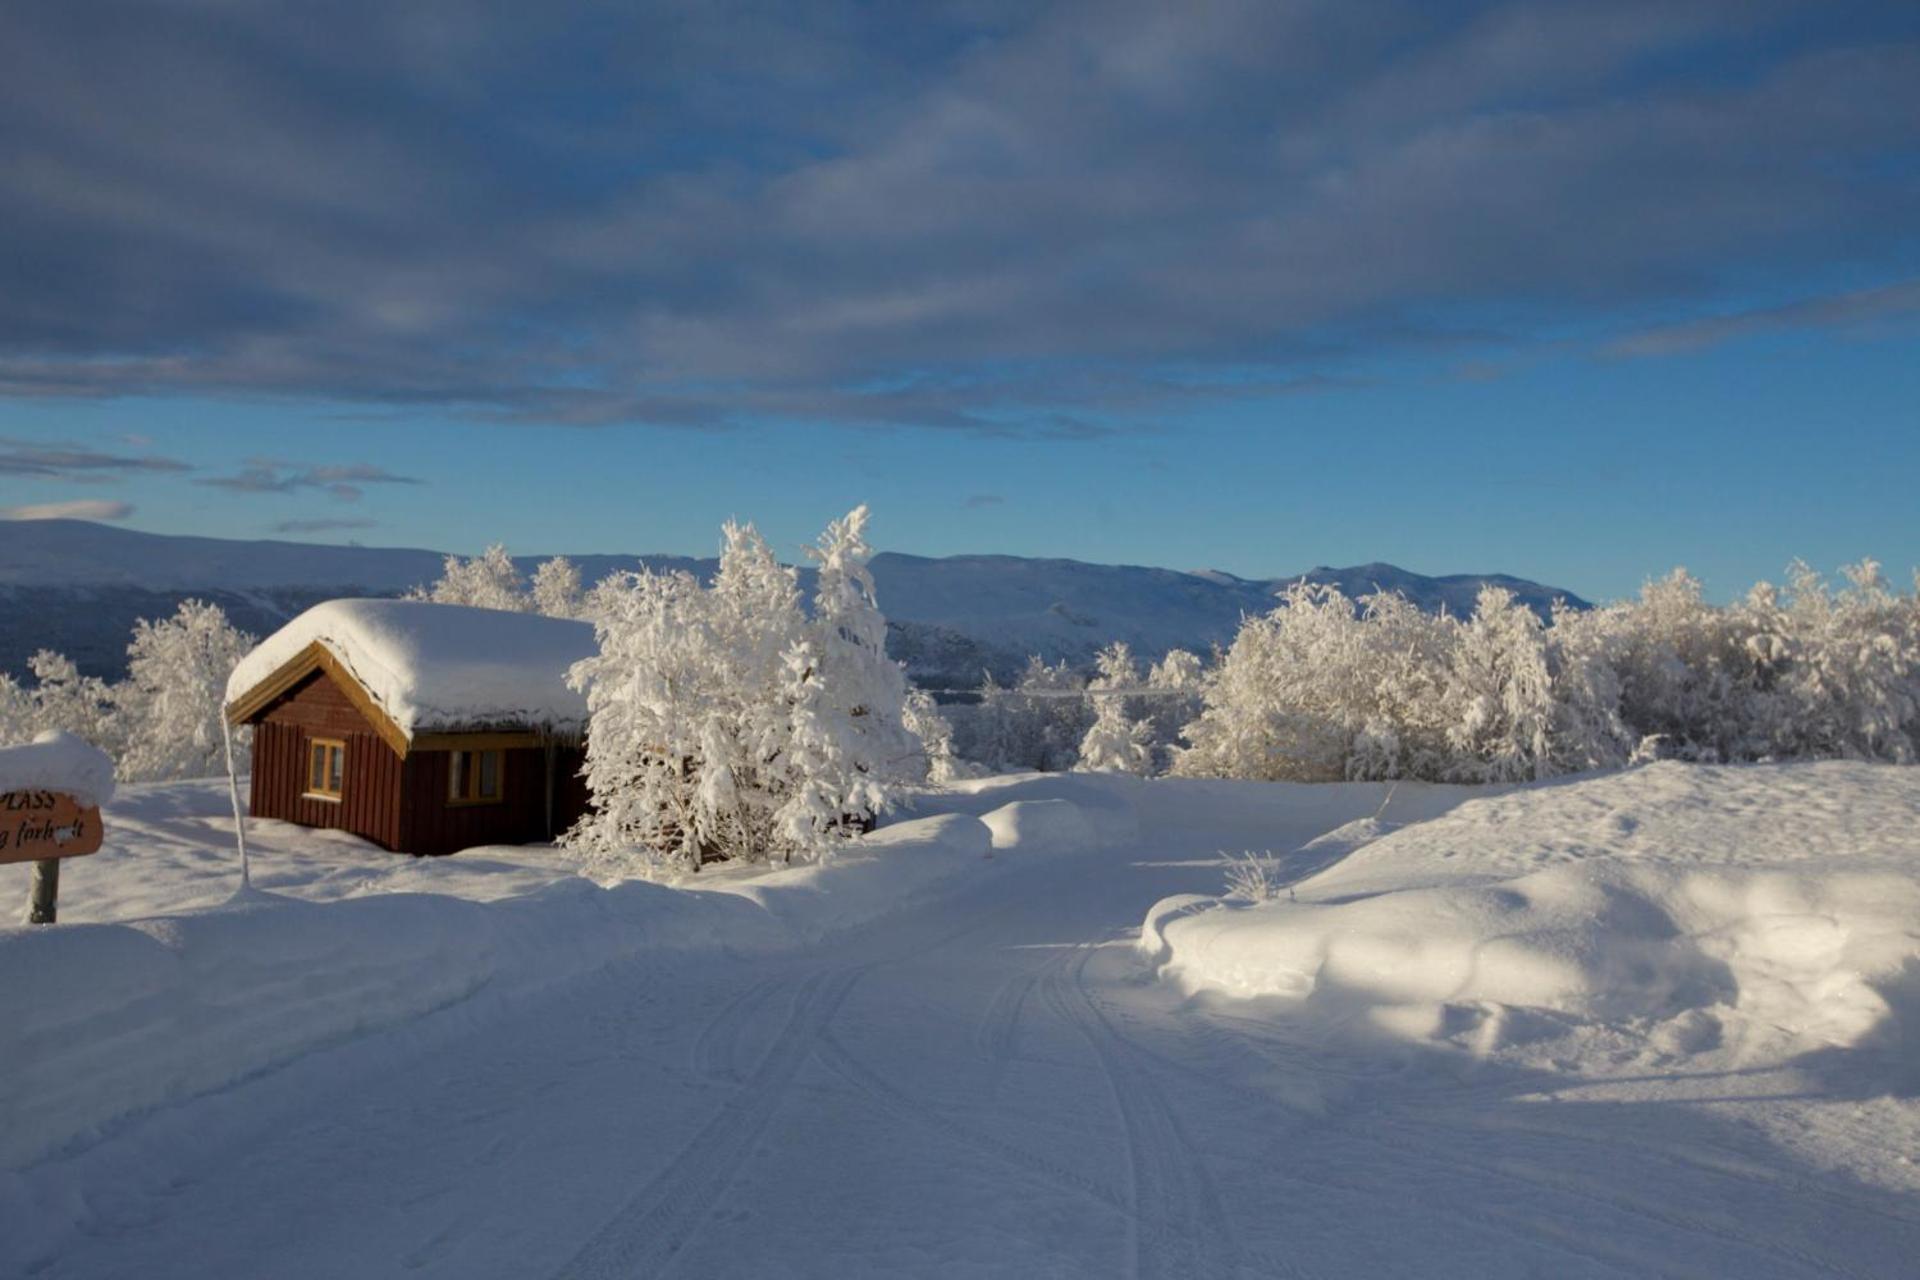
{"x": 314, "y": 746}
{"x": 463, "y": 781}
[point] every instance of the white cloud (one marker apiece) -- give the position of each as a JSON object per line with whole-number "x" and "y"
{"x": 79, "y": 509}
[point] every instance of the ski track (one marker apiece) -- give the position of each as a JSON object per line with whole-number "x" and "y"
{"x": 645, "y": 1238}
{"x": 1176, "y": 1226}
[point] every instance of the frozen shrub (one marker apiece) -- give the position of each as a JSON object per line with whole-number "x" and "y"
{"x": 1253, "y": 877}
{"x": 1318, "y": 689}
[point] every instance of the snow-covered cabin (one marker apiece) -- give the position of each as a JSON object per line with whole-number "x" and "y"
{"x": 425, "y": 728}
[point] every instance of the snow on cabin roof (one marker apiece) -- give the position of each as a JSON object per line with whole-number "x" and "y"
{"x": 56, "y": 761}
{"x": 438, "y": 668}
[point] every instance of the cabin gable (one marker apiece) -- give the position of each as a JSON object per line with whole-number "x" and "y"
{"x": 318, "y": 710}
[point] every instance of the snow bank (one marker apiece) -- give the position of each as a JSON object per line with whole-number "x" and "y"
{"x": 440, "y": 667}
{"x": 1763, "y": 912}
{"x": 58, "y": 761}
{"x": 1041, "y": 826}
{"x": 99, "y": 1022}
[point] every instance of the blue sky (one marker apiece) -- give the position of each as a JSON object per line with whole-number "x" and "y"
{"x": 1572, "y": 291}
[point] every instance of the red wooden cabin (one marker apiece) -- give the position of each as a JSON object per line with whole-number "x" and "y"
{"x": 424, "y": 728}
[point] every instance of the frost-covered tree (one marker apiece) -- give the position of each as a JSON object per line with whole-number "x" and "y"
{"x": 725, "y": 723}
{"x": 1500, "y": 694}
{"x": 78, "y": 704}
{"x": 1178, "y": 683}
{"x": 1315, "y": 688}
{"x": 852, "y": 717}
{"x": 17, "y": 715}
{"x": 1588, "y": 729}
{"x": 557, "y": 590}
{"x": 170, "y": 706}
{"x": 1846, "y": 666}
{"x": 1038, "y": 722}
{"x": 649, "y": 693}
{"x": 1317, "y": 691}
{"x": 925, "y": 721}
{"x": 1115, "y": 742}
{"x": 487, "y": 581}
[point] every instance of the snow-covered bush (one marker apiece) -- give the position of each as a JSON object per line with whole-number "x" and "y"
{"x": 1037, "y": 724}
{"x": 17, "y": 712}
{"x": 170, "y": 707}
{"x": 1500, "y": 695}
{"x": 726, "y": 723}
{"x": 557, "y": 590}
{"x": 1116, "y": 743}
{"x": 487, "y": 581}
{"x": 1319, "y": 689}
{"x": 163, "y": 721}
{"x": 925, "y": 721}
{"x": 1317, "y": 692}
{"x": 1253, "y": 877}
{"x": 73, "y": 703}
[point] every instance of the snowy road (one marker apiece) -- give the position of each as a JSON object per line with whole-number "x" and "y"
{"x": 991, "y": 1085}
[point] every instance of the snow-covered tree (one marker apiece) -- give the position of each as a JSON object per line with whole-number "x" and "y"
{"x": 1500, "y": 694}
{"x": 17, "y": 713}
{"x": 170, "y": 706}
{"x": 1315, "y": 691}
{"x": 852, "y": 718}
{"x": 1178, "y": 683}
{"x": 487, "y": 581}
{"x": 649, "y": 692}
{"x": 925, "y": 721}
{"x": 1036, "y": 724}
{"x": 1116, "y": 743}
{"x": 557, "y": 590}
{"x": 73, "y": 703}
{"x": 727, "y": 724}
{"x": 1846, "y": 666}
{"x": 1588, "y": 730}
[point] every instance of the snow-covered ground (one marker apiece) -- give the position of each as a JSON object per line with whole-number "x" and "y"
{"x": 1657, "y": 1022}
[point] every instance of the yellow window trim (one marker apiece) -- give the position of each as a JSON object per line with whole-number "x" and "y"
{"x": 315, "y": 745}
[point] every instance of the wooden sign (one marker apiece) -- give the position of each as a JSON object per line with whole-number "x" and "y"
{"x": 36, "y": 826}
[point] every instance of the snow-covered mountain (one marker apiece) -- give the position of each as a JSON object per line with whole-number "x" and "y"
{"x": 77, "y": 587}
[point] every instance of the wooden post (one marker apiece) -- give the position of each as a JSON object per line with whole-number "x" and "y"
{"x": 41, "y": 899}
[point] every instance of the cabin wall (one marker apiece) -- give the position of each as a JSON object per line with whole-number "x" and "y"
{"x": 371, "y": 786}
{"x": 400, "y": 804}
{"x": 432, "y": 825}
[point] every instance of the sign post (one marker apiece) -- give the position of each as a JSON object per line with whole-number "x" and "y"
{"x": 43, "y": 827}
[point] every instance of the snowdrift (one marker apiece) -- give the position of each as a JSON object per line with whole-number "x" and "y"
{"x": 102, "y": 1021}
{"x": 1762, "y": 913}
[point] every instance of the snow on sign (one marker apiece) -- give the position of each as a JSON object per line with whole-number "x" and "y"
{"x": 35, "y": 825}
{"x": 51, "y": 790}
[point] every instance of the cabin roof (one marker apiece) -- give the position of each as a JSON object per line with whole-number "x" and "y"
{"x": 417, "y": 668}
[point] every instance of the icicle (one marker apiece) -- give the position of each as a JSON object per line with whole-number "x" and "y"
{"x": 239, "y": 818}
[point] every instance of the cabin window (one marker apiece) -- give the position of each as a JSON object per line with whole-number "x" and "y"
{"x": 326, "y": 768}
{"x": 473, "y": 777}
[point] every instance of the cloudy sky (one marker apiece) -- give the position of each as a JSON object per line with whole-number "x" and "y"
{"x": 1572, "y": 290}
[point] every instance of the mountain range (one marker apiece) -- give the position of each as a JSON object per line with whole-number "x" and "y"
{"x": 77, "y": 587}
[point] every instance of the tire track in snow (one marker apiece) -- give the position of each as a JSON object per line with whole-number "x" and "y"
{"x": 651, "y": 1233}
{"x": 835, "y": 1055}
{"x": 647, "y": 1236}
{"x": 716, "y": 1052}
{"x": 994, "y": 1036}
{"x": 1176, "y": 1227}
